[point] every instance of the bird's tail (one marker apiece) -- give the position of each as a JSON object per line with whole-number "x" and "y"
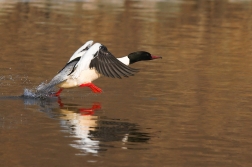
{"x": 44, "y": 89}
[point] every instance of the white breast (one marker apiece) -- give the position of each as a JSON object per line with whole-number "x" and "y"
{"x": 86, "y": 76}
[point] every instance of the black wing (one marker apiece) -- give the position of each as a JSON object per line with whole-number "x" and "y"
{"x": 106, "y": 64}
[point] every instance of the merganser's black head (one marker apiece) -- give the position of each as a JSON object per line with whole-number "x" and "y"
{"x": 141, "y": 55}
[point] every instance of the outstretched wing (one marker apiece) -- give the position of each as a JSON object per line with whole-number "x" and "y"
{"x": 106, "y": 64}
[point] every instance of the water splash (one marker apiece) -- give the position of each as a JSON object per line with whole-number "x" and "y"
{"x": 7, "y": 80}
{"x": 29, "y": 93}
{"x": 33, "y": 93}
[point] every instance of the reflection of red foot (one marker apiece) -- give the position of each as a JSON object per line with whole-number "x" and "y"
{"x": 96, "y": 106}
{"x": 94, "y": 88}
{"x": 60, "y": 103}
{"x": 90, "y": 111}
{"x": 58, "y": 93}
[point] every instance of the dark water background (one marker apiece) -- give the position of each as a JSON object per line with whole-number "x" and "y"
{"x": 191, "y": 109}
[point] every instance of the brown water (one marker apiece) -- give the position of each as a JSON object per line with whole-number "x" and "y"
{"x": 192, "y": 108}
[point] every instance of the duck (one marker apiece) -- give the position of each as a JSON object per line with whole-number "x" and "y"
{"x": 89, "y": 63}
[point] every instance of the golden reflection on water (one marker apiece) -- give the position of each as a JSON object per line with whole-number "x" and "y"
{"x": 194, "y": 103}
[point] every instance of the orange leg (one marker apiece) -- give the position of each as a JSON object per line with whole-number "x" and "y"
{"x": 60, "y": 103}
{"x": 58, "y": 93}
{"x": 94, "y": 88}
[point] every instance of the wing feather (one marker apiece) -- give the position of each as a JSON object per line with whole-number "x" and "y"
{"x": 106, "y": 64}
{"x": 105, "y": 70}
{"x": 104, "y": 61}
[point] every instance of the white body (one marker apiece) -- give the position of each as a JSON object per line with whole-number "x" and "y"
{"x": 86, "y": 76}
{"x": 83, "y": 74}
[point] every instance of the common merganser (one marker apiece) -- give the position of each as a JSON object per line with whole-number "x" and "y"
{"x": 89, "y": 63}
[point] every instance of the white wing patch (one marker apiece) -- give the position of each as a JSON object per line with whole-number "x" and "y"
{"x": 125, "y": 60}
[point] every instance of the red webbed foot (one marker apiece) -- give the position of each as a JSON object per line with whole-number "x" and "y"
{"x": 94, "y": 88}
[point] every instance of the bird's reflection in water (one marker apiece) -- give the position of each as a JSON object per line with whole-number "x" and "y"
{"x": 79, "y": 122}
{"x": 93, "y": 131}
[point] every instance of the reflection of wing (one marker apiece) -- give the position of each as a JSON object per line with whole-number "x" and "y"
{"x": 60, "y": 77}
{"x": 106, "y": 64}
